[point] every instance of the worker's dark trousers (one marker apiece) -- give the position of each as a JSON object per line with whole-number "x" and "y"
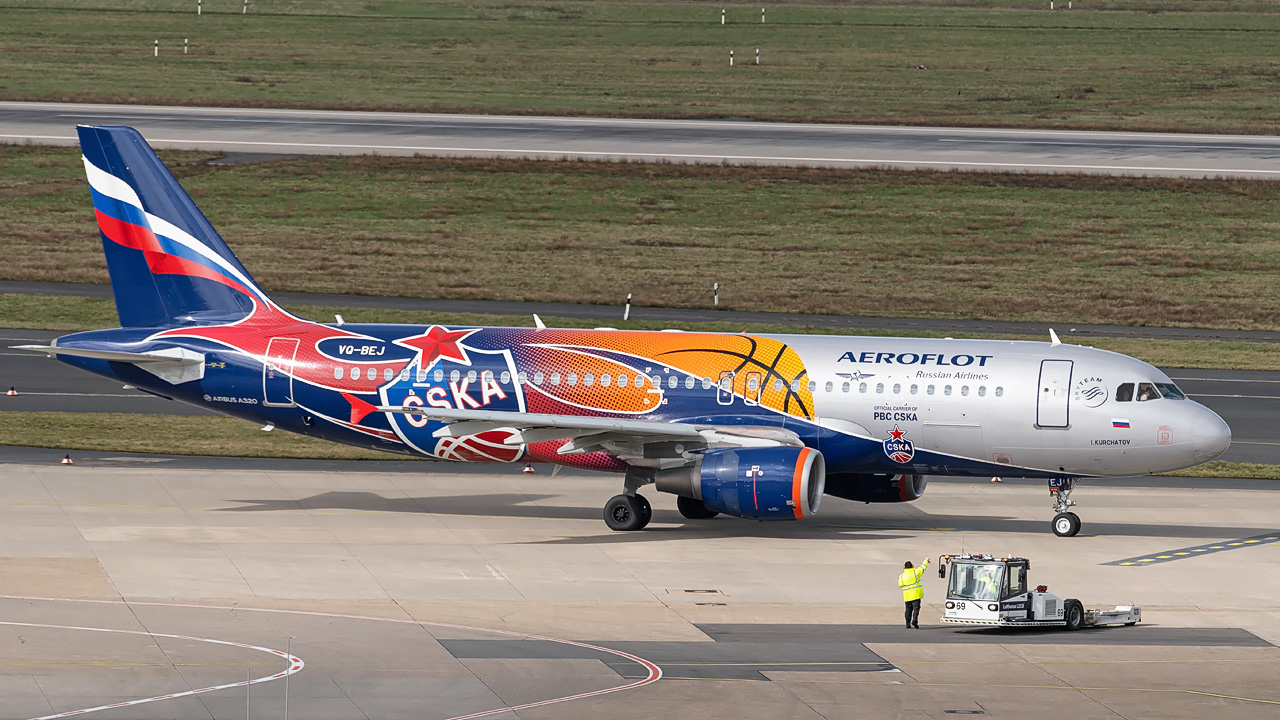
{"x": 913, "y": 612}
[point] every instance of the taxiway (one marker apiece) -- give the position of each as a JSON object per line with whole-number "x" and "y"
{"x": 693, "y": 141}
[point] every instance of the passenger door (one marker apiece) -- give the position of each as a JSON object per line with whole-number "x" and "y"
{"x": 277, "y": 372}
{"x": 1054, "y": 393}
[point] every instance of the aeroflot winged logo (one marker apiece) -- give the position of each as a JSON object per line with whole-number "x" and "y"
{"x": 897, "y": 448}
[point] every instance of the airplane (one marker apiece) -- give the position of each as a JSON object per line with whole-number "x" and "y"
{"x": 757, "y": 426}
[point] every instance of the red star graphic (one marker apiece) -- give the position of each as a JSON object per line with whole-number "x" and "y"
{"x": 895, "y": 433}
{"x": 439, "y": 343}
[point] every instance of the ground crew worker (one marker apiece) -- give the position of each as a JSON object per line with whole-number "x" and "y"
{"x": 912, "y": 584}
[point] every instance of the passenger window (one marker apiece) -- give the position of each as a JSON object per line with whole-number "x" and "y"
{"x": 1124, "y": 393}
{"x": 689, "y": 382}
{"x": 471, "y": 376}
{"x": 897, "y": 388}
{"x": 487, "y": 376}
{"x": 337, "y": 373}
{"x": 439, "y": 375}
{"x": 622, "y": 380}
{"x": 1147, "y": 391}
{"x": 929, "y": 390}
{"x": 795, "y": 386}
{"x": 753, "y": 383}
{"x": 706, "y": 383}
{"x": 588, "y": 379}
{"x": 946, "y": 390}
{"x": 812, "y": 386}
{"x": 829, "y": 386}
{"x": 777, "y": 385}
{"x": 522, "y": 378}
{"x": 422, "y": 375}
{"x": 880, "y": 388}
{"x": 862, "y": 387}
{"x": 844, "y": 387}
{"x": 373, "y": 373}
{"x": 982, "y": 391}
{"x": 505, "y": 377}
{"x": 571, "y": 379}
{"x": 555, "y": 378}
{"x": 537, "y": 378}
{"x": 999, "y": 392}
{"x": 964, "y": 390}
{"x": 404, "y": 374}
{"x": 605, "y": 380}
{"x": 673, "y": 382}
{"x": 914, "y": 388}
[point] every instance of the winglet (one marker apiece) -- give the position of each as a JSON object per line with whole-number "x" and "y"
{"x": 359, "y": 408}
{"x": 538, "y": 322}
{"x": 1053, "y": 338}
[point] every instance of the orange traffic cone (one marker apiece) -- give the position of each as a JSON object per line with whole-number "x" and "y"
{"x": 12, "y": 392}
{"x": 995, "y": 479}
{"x": 66, "y": 460}
{"x": 528, "y": 468}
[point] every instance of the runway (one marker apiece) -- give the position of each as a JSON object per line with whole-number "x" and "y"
{"x": 692, "y": 141}
{"x": 438, "y": 594}
{"x": 1246, "y": 399}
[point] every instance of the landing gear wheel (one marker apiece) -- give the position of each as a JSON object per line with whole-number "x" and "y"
{"x": 1074, "y": 615}
{"x": 1066, "y": 524}
{"x": 646, "y": 510}
{"x": 694, "y": 509}
{"x": 627, "y": 512}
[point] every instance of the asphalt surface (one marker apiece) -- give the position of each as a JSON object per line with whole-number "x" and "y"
{"x": 1246, "y": 399}
{"x": 164, "y": 589}
{"x": 694, "y": 141}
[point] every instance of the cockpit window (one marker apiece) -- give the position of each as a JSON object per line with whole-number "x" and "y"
{"x": 1170, "y": 391}
{"x": 1147, "y": 391}
{"x": 1124, "y": 393}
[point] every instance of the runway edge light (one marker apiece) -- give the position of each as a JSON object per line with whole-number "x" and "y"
{"x": 66, "y": 459}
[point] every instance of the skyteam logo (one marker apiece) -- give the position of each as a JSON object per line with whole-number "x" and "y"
{"x": 898, "y": 449}
{"x": 1090, "y": 392}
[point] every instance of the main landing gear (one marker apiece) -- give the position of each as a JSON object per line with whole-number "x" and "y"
{"x": 1065, "y": 523}
{"x": 627, "y": 512}
{"x": 630, "y": 510}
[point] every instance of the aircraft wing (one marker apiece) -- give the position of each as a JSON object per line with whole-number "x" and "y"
{"x": 176, "y": 365}
{"x": 623, "y": 437}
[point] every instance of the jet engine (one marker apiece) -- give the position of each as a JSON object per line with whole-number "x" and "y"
{"x": 872, "y": 488}
{"x": 767, "y": 483}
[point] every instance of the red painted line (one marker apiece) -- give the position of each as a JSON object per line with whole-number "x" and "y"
{"x": 654, "y": 673}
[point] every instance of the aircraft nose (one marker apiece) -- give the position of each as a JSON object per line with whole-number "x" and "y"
{"x": 1212, "y": 436}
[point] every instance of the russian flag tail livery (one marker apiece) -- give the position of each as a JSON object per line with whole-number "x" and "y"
{"x": 168, "y": 265}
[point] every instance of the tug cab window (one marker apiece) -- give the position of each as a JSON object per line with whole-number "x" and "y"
{"x": 1124, "y": 393}
{"x": 1147, "y": 391}
{"x": 1015, "y": 581}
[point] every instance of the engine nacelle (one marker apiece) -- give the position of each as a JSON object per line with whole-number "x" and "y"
{"x": 770, "y": 483}
{"x": 876, "y": 488}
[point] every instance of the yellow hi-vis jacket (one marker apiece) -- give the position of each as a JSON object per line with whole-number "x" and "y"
{"x": 909, "y": 581}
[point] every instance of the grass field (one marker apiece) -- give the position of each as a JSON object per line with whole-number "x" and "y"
{"x": 1070, "y": 249}
{"x": 1119, "y": 64}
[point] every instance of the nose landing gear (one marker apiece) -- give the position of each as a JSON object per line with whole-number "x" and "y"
{"x": 1065, "y": 523}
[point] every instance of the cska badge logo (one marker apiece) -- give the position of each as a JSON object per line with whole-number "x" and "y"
{"x": 897, "y": 448}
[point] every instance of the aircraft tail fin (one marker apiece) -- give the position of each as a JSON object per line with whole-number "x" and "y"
{"x": 168, "y": 265}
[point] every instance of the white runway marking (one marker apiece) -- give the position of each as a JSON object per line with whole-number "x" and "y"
{"x": 801, "y": 160}
{"x": 295, "y": 664}
{"x": 654, "y": 673}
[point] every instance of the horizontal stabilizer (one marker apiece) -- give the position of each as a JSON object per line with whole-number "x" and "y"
{"x": 173, "y": 365}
